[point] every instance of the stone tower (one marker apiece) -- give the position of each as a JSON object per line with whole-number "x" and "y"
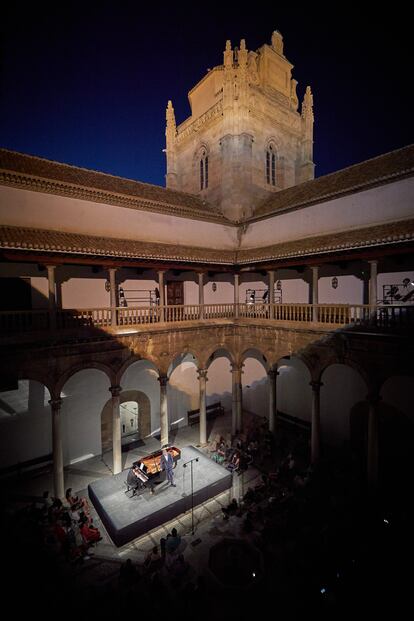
{"x": 245, "y": 137}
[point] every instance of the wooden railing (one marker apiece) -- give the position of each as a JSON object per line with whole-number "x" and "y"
{"x": 12, "y": 322}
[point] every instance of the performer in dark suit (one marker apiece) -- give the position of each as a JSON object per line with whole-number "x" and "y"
{"x": 167, "y": 464}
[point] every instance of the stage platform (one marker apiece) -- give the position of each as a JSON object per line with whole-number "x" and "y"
{"x": 127, "y": 518}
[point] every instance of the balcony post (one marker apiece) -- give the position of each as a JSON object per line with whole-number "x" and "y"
{"x": 271, "y": 293}
{"x": 201, "y": 294}
{"x": 236, "y": 296}
{"x": 112, "y": 293}
{"x": 52, "y": 295}
{"x": 162, "y": 294}
{"x": 373, "y": 288}
{"x": 315, "y": 291}
{"x": 116, "y": 429}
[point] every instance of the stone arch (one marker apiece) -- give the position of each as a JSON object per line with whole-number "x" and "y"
{"x": 220, "y": 352}
{"x": 35, "y": 376}
{"x": 256, "y": 354}
{"x": 25, "y": 422}
{"x": 84, "y": 394}
{"x": 144, "y": 417}
{"x": 188, "y": 355}
{"x": 82, "y": 366}
{"x": 133, "y": 360}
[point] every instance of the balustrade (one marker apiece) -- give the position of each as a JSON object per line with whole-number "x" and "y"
{"x": 385, "y": 316}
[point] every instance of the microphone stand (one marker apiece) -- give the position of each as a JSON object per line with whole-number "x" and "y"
{"x": 190, "y": 461}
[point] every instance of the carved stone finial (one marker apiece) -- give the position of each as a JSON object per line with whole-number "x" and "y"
{"x": 277, "y": 42}
{"x": 170, "y": 115}
{"x": 307, "y": 105}
{"x": 228, "y": 54}
{"x": 243, "y": 44}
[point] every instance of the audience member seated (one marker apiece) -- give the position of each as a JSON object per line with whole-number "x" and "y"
{"x": 152, "y": 560}
{"x": 231, "y": 509}
{"x": 234, "y": 463}
{"x": 173, "y": 541}
{"x": 76, "y": 502}
{"x": 220, "y": 455}
{"x": 127, "y": 573}
{"x": 90, "y": 534}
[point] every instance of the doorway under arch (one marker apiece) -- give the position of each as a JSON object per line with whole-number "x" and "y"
{"x": 129, "y": 399}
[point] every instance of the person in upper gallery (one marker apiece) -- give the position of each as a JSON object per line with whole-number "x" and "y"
{"x": 167, "y": 464}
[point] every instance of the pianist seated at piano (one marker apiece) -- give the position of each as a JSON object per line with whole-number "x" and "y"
{"x": 140, "y": 471}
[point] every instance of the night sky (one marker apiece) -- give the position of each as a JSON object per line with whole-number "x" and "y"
{"x": 87, "y": 83}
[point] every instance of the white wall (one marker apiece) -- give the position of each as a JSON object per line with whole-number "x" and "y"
{"x": 255, "y": 388}
{"x": 219, "y": 385}
{"x": 84, "y": 397}
{"x": 143, "y": 376}
{"x": 293, "y": 392}
{"x": 182, "y": 393}
{"x": 295, "y": 290}
{"x": 386, "y": 203}
{"x": 349, "y": 290}
{"x": 25, "y": 423}
{"x": 47, "y": 211}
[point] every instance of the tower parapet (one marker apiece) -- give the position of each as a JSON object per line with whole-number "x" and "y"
{"x": 245, "y": 138}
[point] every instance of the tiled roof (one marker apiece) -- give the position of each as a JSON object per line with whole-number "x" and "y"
{"x": 38, "y": 174}
{"x": 380, "y": 235}
{"x": 370, "y": 173}
{"x": 38, "y": 240}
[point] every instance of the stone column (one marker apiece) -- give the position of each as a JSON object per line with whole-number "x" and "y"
{"x": 236, "y": 410}
{"x": 315, "y": 292}
{"x": 52, "y": 295}
{"x": 58, "y": 479}
{"x": 271, "y": 295}
{"x": 201, "y": 294}
{"x": 272, "y": 375}
{"x": 202, "y": 378}
{"x": 163, "y": 380}
{"x": 162, "y": 294}
{"x": 316, "y": 422}
{"x": 112, "y": 293}
{"x": 373, "y": 441}
{"x": 373, "y": 288}
{"x": 236, "y": 296}
{"x": 116, "y": 429}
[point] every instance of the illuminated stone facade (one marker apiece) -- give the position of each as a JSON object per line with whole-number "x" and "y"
{"x": 245, "y": 138}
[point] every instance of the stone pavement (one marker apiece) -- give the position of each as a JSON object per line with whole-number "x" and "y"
{"x": 105, "y": 559}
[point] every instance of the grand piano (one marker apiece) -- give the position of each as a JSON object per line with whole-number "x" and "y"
{"x": 146, "y": 472}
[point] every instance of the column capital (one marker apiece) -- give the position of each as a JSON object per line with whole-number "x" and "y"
{"x": 375, "y": 261}
{"x": 163, "y": 380}
{"x": 273, "y": 373}
{"x": 56, "y": 404}
{"x": 115, "y": 390}
{"x": 316, "y": 386}
{"x": 202, "y": 374}
{"x": 235, "y": 367}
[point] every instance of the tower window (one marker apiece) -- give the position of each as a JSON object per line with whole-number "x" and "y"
{"x": 271, "y": 166}
{"x": 204, "y": 171}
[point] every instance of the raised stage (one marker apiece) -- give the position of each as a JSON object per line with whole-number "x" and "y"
{"x": 127, "y": 518}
